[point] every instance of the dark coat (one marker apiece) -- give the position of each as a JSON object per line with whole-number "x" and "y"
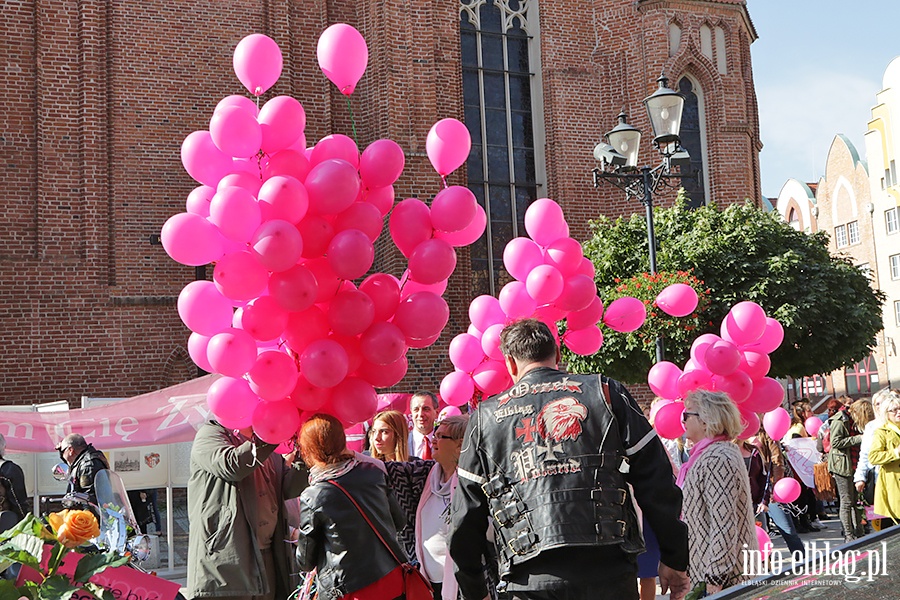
{"x": 84, "y": 469}
{"x": 16, "y": 477}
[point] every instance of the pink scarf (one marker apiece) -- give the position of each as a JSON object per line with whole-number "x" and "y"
{"x": 696, "y": 451}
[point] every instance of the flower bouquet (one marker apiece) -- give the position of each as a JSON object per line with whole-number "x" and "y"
{"x": 42, "y": 549}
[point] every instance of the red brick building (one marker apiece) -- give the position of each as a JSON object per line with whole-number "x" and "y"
{"x": 100, "y": 96}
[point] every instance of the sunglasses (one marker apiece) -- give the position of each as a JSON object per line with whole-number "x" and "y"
{"x": 685, "y": 415}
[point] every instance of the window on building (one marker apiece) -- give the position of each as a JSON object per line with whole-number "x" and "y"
{"x": 853, "y": 232}
{"x": 862, "y": 378}
{"x": 866, "y": 270}
{"x": 897, "y": 312}
{"x": 840, "y": 236}
{"x": 498, "y": 80}
{"x": 794, "y": 219}
{"x": 692, "y": 141}
{"x": 895, "y": 266}
{"x": 891, "y": 221}
{"x": 815, "y": 385}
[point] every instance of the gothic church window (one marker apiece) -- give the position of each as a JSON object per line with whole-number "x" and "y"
{"x": 692, "y": 141}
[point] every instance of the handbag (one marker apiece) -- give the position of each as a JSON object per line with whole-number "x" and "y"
{"x": 826, "y": 489}
{"x": 415, "y": 586}
{"x": 868, "y": 494}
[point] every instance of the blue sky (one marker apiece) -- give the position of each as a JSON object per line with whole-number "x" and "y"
{"x": 817, "y": 67}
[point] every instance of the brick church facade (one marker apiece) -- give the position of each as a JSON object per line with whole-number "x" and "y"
{"x": 100, "y": 96}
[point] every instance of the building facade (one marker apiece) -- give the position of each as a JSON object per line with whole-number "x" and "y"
{"x": 104, "y": 93}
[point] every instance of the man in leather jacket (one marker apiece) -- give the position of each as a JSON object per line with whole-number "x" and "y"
{"x": 84, "y": 461}
{"x": 549, "y": 463}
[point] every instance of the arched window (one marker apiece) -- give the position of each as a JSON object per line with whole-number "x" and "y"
{"x": 499, "y": 52}
{"x": 794, "y": 219}
{"x": 692, "y": 140}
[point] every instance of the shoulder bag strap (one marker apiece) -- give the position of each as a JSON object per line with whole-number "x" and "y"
{"x": 366, "y": 517}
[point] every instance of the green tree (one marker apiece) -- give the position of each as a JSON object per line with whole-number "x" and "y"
{"x": 829, "y": 311}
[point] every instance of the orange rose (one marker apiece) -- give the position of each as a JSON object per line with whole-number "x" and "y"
{"x": 74, "y": 527}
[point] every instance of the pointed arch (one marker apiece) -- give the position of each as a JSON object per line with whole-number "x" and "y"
{"x": 693, "y": 139}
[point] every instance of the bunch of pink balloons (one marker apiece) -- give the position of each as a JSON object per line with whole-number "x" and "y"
{"x": 290, "y": 229}
{"x": 735, "y": 362}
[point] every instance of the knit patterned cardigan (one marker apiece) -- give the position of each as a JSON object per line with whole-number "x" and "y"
{"x": 719, "y": 516}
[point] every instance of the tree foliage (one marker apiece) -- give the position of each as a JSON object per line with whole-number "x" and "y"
{"x": 829, "y": 311}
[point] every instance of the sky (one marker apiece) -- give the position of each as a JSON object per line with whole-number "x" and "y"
{"x": 817, "y": 67}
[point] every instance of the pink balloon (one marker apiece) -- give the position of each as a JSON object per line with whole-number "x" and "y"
{"x": 579, "y": 292}
{"x": 744, "y": 324}
{"x": 491, "y": 377}
{"x": 544, "y": 222}
{"x": 384, "y": 375}
{"x": 335, "y": 146}
{"x": 490, "y": 342}
{"x": 450, "y": 411}
{"x": 625, "y": 314}
{"x": 432, "y": 261}
{"x": 550, "y": 314}
{"x": 667, "y": 420}
{"x": 197, "y": 350}
{"x": 588, "y": 316}
{"x": 766, "y": 395}
{"x": 466, "y": 352}
{"x": 382, "y": 343}
{"x": 275, "y": 422}
{"x": 351, "y": 254}
{"x": 583, "y": 341}
{"x": 327, "y": 280}
{"x": 448, "y": 145}
{"x": 587, "y": 268}
{"x": 469, "y": 234}
{"x": 787, "y": 489}
{"x": 694, "y": 379}
{"x": 235, "y": 211}
{"x": 305, "y": 327}
{"x": 755, "y": 364}
{"x": 239, "y": 276}
{"x": 521, "y": 256}
{"x": 264, "y": 319}
{"x": 191, "y": 240}
{"x": 307, "y": 396}
{"x": 343, "y": 56}
{"x": 257, "y": 63}
{"x": 381, "y": 198}
{"x": 353, "y": 349}
{"x": 657, "y": 404}
{"x": 764, "y": 542}
{"x": 283, "y": 197}
{"x": 663, "y": 379}
{"x": 384, "y": 293}
{"x": 294, "y": 289}
{"x": 422, "y": 315}
{"x": 273, "y": 376}
{"x": 485, "y": 311}
{"x": 678, "y": 300}
{"x": 700, "y": 346}
{"x": 722, "y": 357}
{"x": 515, "y": 301}
{"x": 231, "y": 399}
{"x": 198, "y": 200}
{"x": 544, "y": 283}
{"x": 231, "y": 352}
{"x": 235, "y": 131}
{"x": 277, "y": 245}
{"x": 324, "y": 363}
{"x": 351, "y": 313}
{"x": 333, "y": 186}
{"x": 381, "y": 163}
{"x": 771, "y": 338}
{"x": 354, "y": 400}
{"x": 250, "y": 181}
{"x": 565, "y": 254}
{"x": 737, "y": 385}
{"x": 410, "y": 287}
{"x": 457, "y": 388}
{"x": 281, "y": 120}
{"x": 776, "y": 423}
{"x": 362, "y": 216}
{"x": 316, "y": 233}
{"x": 239, "y": 101}
{"x": 812, "y": 425}
{"x": 203, "y": 309}
{"x": 410, "y": 225}
{"x": 203, "y": 160}
{"x": 453, "y": 208}
{"x": 750, "y": 423}
{"x": 288, "y": 163}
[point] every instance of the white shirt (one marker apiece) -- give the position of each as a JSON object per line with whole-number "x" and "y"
{"x": 417, "y": 443}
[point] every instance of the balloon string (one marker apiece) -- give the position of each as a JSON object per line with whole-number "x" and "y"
{"x": 444, "y": 181}
{"x": 352, "y": 121}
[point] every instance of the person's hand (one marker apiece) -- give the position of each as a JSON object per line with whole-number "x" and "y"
{"x": 674, "y": 582}
{"x": 763, "y": 507}
{"x": 860, "y": 486}
{"x": 713, "y": 589}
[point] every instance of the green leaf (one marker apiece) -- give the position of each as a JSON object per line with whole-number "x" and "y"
{"x": 99, "y": 592}
{"x": 56, "y": 587}
{"x": 24, "y": 548}
{"x": 92, "y": 564}
{"x": 29, "y": 525}
{"x": 8, "y": 591}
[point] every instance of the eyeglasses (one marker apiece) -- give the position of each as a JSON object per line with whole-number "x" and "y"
{"x": 685, "y": 415}
{"x": 444, "y": 437}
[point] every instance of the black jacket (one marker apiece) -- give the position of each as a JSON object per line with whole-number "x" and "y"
{"x": 84, "y": 468}
{"x": 336, "y": 539}
{"x": 16, "y": 477}
{"x": 547, "y": 461}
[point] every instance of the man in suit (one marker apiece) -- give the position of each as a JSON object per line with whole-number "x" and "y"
{"x": 423, "y": 406}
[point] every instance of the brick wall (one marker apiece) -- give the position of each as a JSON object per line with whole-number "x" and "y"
{"x": 102, "y": 95}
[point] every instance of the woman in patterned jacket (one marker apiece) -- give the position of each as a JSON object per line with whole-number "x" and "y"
{"x": 717, "y": 504}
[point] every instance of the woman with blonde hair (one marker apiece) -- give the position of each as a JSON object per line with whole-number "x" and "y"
{"x": 388, "y": 436}
{"x": 866, "y": 474}
{"x": 717, "y": 506}
{"x": 885, "y": 452}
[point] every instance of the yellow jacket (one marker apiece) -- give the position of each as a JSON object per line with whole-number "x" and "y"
{"x": 885, "y": 451}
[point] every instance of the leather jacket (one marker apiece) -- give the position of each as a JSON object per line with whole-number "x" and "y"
{"x": 335, "y": 538}
{"x": 84, "y": 469}
{"x": 548, "y": 461}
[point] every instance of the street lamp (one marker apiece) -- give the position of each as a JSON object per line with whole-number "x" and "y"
{"x": 619, "y": 157}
